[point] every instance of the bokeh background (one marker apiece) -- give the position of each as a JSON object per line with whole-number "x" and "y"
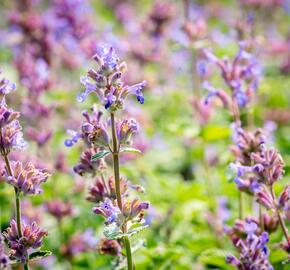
{"x": 184, "y": 165}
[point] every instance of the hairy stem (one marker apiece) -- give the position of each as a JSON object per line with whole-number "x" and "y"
{"x": 116, "y": 164}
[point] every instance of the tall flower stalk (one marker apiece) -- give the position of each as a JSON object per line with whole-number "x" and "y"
{"x": 241, "y": 76}
{"x": 123, "y": 214}
{"x": 25, "y": 179}
{"x": 116, "y": 163}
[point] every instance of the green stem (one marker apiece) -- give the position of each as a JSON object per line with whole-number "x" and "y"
{"x": 17, "y": 207}
{"x": 128, "y": 253}
{"x": 116, "y": 164}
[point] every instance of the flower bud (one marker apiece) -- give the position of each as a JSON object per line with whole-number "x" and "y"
{"x": 126, "y": 129}
{"x": 284, "y": 197}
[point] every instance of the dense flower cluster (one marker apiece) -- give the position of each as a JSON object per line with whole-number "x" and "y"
{"x": 107, "y": 82}
{"x": 253, "y": 251}
{"x": 26, "y": 178}
{"x": 11, "y": 136}
{"x": 32, "y": 237}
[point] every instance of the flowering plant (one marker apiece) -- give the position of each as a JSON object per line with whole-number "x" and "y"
{"x": 123, "y": 214}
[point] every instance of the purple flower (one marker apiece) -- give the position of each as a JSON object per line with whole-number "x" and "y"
{"x": 137, "y": 91}
{"x": 134, "y": 209}
{"x": 96, "y": 134}
{"x": 88, "y": 166}
{"x": 107, "y": 81}
{"x": 126, "y": 129}
{"x": 78, "y": 243}
{"x": 32, "y": 237}
{"x": 11, "y": 137}
{"x": 98, "y": 191}
{"x": 93, "y": 131}
{"x": 107, "y": 58}
{"x": 253, "y": 251}
{"x": 59, "y": 209}
{"x": 218, "y": 93}
{"x": 108, "y": 210}
{"x": 89, "y": 88}
{"x": 7, "y": 115}
{"x": 6, "y": 87}
{"x": 40, "y": 137}
{"x": 241, "y": 74}
{"x": 4, "y": 259}
{"x": 75, "y": 137}
{"x": 284, "y": 197}
{"x": 26, "y": 179}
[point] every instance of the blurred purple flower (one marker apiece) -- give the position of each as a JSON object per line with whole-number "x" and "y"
{"x": 253, "y": 251}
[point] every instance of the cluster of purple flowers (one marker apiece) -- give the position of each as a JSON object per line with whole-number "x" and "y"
{"x": 39, "y": 36}
{"x": 73, "y": 31}
{"x": 32, "y": 237}
{"x": 258, "y": 169}
{"x": 107, "y": 83}
{"x": 26, "y": 178}
{"x": 241, "y": 76}
{"x": 253, "y": 250}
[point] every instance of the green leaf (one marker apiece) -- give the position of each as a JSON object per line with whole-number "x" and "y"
{"x": 113, "y": 232}
{"x": 101, "y": 154}
{"x": 214, "y": 257}
{"x": 130, "y": 150}
{"x": 135, "y": 229}
{"x": 39, "y": 254}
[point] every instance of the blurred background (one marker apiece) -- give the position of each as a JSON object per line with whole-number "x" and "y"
{"x": 46, "y": 46}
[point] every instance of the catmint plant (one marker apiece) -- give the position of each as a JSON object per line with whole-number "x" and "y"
{"x": 25, "y": 178}
{"x": 241, "y": 76}
{"x": 123, "y": 213}
{"x": 267, "y": 167}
